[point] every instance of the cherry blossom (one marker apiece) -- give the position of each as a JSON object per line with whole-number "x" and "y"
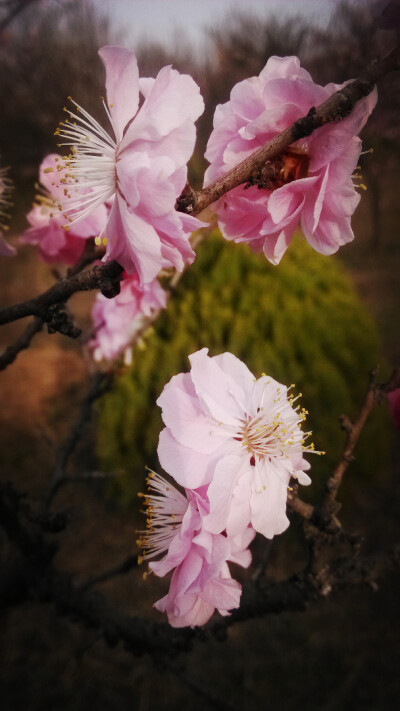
{"x": 201, "y": 581}
{"x": 142, "y": 168}
{"x": 46, "y": 231}
{"x": 240, "y": 435}
{"x": 312, "y": 186}
{"x": 116, "y": 321}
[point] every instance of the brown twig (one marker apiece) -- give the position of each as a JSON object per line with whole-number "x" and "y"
{"x": 99, "y": 384}
{"x": 336, "y": 108}
{"x": 106, "y": 277}
{"x": 123, "y": 568}
{"x": 37, "y": 578}
{"x": 21, "y": 343}
{"x": 353, "y": 431}
{"x": 90, "y": 254}
{"x": 299, "y": 506}
{"x": 323, "y": 517}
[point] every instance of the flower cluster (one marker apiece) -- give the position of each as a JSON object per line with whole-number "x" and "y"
{"x": 312, "y": 186}
{"x": 117, "y": 321}
{"x": 46, "y": 222}
{"x": 233, "y": 442}
{"x": 122, "y": 187}
{"x": 201, "y": 581}
{"x": 140, "y": 171}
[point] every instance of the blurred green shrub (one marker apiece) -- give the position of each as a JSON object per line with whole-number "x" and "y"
{"x": 301, "y": 322}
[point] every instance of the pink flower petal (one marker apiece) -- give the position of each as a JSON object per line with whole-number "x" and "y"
{"x": 122, "y": 86}
{"x": 133, "y": 242}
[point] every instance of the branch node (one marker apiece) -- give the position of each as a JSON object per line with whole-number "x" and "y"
{"x": 110, "y": 288}
{"x": 346, "y": 423}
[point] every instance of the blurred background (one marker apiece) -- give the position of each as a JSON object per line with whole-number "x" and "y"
{"x": 319, "y": 322}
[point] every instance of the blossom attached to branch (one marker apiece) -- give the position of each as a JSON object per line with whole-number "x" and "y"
{"x": 141, "y": 169}
{"x": 310, "y": 185}
{"x": 239, "y": 435}
{"x": 46, "y": 222}
{"x": 117, "y": 321}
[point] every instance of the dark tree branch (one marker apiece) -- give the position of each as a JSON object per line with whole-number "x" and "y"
{"x": 21, "y": 343}
{"x": 90, "y": 254}
{"x": 38, "y": 579}
{"x": 123, "y": 568}
{"x": 323, "y": 516}
{"x": 336, "y": 108}
{"x": 106, "y": 277}
{"x": 353, "y": 430}
{"x": 99, "y": 384}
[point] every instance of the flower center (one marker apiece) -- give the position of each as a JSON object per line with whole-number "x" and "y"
{"x": 295, "y": 165}
{"x": 276, "y": 428}
{"x": 165, "y": 508}
{"x": 89, "y": 177}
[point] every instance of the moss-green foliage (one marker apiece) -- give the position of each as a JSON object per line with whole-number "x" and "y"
{"x": 300, "y": 322}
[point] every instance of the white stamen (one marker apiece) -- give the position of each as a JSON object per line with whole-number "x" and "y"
{"x": 165, "y": 509}
{"x": 89, "y": 177}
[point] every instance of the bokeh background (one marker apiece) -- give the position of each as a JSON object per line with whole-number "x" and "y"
{"x": 319, "y": 322}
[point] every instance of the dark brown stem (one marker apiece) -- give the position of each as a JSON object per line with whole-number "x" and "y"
{"x": 123, "y": 568}
{"x": 99, "y": 384}
{"x": 323, "y": 517}
{"x": 354, "y": 429}
{"x": 105, "y": 277}
{"x": 21, "y": 343}
{"x": 336, "y": 108}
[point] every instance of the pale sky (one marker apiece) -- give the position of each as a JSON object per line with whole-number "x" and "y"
{"x": 161, "y": 20}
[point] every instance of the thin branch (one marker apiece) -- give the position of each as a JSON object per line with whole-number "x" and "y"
{"x": 299, "y": 506}
{"x": 353, "y": 431}
{"x": 123, "y": 568}
{"x": 90, "y": 254}
{"x": 21, "y": 343}
{"x": 336, "y": 108}
{"x": 99, "y": 384}
{"x": 41, "y": 580}
{"x": 323, "y": 516}
{"x": 106, "y": 277}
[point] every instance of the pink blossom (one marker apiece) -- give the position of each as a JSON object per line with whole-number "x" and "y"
{"x": 394, "y": 406}
{"x": 314, "y": 187}
{"x": 239, "y": 435}
{"x": 5, "y": 203}
{"x": 143, "y": 167}
{"x": 118, "y": 320}
{"x": 55, "y": 243}
{"x": 201, "y": 581}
